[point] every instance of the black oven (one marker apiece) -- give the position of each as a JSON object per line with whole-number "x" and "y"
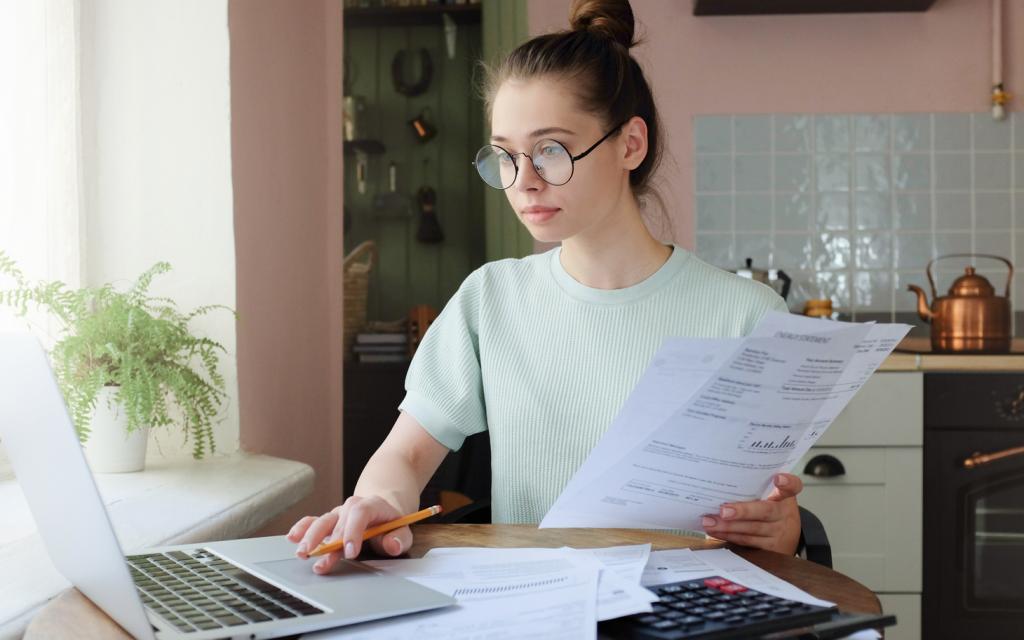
{"x": 973, "y": 506}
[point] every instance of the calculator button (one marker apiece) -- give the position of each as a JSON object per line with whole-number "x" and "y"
{"x": 716, "y": 582}
{"x": 732, "y": 588}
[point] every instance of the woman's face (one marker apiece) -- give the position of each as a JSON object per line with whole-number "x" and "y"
{"x": 526, "y": 112}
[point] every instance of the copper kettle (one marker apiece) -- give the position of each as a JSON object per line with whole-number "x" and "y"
{"x": 971, "y": 318}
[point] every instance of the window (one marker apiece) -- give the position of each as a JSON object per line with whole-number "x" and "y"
{"x": 40, "y": 185}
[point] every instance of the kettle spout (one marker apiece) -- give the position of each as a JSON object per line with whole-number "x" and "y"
{"x": 922, "y": 303}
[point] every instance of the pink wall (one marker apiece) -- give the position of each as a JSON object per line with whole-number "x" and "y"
{"x": 938, "y": 60}
{"x": 286, "y": 156}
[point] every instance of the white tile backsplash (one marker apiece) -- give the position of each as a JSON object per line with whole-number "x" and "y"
{"x": 853, "y": 206}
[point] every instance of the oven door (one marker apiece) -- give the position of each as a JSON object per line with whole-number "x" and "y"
{"x": 974, "y": 540}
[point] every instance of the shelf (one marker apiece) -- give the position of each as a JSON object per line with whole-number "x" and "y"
{"x": 760, "y": 7}
{"x": 428, "y": 15}
{"x": 368, "y": 146}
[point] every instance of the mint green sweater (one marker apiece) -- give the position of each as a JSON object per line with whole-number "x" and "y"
{"x": 544, "y": 362}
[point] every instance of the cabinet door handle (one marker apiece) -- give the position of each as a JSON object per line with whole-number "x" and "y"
{"x": 824, "y": 466}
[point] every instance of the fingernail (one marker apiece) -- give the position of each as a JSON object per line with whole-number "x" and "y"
{"x": 397, "y": 544}
{"x": 320, "y": 565}
{"x": 781, "y": 481}
{"x": 350, "y": 550}
{"x": 303, "y": 548}
{"x": 707, "y": 521}
{"x": 728, "y": 512}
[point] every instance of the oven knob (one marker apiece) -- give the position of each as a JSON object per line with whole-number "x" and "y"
{"x": 1012, "y": 408}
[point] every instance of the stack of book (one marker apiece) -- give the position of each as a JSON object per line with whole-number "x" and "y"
{"x": 381, "y": 347}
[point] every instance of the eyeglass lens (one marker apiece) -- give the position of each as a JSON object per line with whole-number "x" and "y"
{"x": 550, "y": 158}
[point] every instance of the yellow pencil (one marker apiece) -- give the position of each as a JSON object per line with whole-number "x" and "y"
{"x": 337, "y": 545}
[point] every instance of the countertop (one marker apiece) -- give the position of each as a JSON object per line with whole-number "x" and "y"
{"x": 907, "y": 357}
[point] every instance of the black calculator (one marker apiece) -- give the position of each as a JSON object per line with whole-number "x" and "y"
{"x": 717, "y": 608}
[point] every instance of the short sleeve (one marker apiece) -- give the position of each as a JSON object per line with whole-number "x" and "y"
{"x": 762, "y": 300}
{"x": 443, "y": 387}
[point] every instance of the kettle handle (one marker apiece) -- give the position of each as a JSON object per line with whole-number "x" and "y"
{"x": 786, "y": 282}
{"x": 931, "y": 280}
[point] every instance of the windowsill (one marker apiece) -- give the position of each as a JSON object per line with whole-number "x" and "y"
{"x": 171, "y": 502}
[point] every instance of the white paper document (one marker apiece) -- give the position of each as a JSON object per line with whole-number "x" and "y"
{"x": 549, "y": 598}
{"x": 711, "y": 421}
{"x": 618, "y": 590}
{"x": 678, "y": 565}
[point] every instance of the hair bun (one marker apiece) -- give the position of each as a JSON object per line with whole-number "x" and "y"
{"x": 611, "y": 19}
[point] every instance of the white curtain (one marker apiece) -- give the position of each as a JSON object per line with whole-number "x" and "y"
{"x": 40, "y": 152}
{"x": 41, "y": 214}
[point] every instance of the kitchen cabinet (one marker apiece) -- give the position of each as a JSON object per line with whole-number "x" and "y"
{"x": 872, "y": 507}
{"x": 747, "y": 7}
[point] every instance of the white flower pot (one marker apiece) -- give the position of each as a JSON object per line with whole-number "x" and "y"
{"x": 110, "y": 448}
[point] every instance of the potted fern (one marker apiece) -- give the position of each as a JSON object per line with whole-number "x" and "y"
{"x": 126, "y": 361}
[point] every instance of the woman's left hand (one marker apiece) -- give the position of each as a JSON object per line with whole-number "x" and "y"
{"x": 772, "y": 523}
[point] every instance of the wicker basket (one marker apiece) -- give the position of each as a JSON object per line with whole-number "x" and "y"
{"x": 356, "y": 283}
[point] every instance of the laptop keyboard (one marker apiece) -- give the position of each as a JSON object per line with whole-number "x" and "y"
{"x": 197, "y": 591}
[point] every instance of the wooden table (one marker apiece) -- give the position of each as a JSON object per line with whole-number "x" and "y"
{"x": 73, "y": 615}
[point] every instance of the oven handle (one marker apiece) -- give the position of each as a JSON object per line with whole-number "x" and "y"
{"x": 979, "y": 459}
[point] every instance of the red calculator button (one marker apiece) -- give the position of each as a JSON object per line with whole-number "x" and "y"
{"x": 715, "y": 583}
{"x": 732, "y": 589}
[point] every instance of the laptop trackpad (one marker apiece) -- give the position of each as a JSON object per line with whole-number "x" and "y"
{"x": 300, "y": 572}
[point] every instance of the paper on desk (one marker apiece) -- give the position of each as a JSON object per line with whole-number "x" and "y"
{"x": 678, "y": 565}
{"x": 546, "y": 598}
{"x": 618, "y": 590}
{"x": 770, "y": 398}
{"x": 750, "y": 575}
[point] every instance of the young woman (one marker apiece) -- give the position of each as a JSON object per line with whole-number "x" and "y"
{"x": 543, "y": 351}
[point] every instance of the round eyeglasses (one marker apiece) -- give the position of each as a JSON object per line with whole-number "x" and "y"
{"x": 554, "y": 164}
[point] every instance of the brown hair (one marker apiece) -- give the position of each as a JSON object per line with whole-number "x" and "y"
{"x": 594, "y": 53}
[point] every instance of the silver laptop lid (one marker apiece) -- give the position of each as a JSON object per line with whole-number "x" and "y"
{"x": 40, "y": 440}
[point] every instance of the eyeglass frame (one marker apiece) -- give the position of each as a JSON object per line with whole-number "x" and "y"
{"x": 572, "y": 158}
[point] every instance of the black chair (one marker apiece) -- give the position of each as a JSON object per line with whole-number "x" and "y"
{"x": 473, "y": 479}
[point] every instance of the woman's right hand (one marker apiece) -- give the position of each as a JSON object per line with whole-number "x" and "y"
{"x": 348, "y": 522}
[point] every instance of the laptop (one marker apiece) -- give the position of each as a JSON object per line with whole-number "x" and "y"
{"x": 251, "y": 588}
